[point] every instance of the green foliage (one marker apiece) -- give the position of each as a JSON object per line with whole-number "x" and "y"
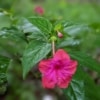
{"x": 90, "y": 85}
{"x": 24, "y": 41}
{"x": 4, "y": 63}
{"x": 35, "y": 51}
{"x": 86, "y": 60}
{"x": 81, "y": 87}
{"x": 76, "y": 89}
{"x": 75, "y": 29}
{"x": 5, "y": 21}
{"x": 69, "y": 41}
{"x": 37, "y": 27}
{"x": 43, "y": 24}
{"x": 11, "y": 37}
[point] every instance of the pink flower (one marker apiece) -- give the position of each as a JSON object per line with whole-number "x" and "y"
{"x": 57, "y": 71}
{"x": 39, "y": 10}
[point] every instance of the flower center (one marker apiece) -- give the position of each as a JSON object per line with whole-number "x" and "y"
{"x": 58, "y": 65}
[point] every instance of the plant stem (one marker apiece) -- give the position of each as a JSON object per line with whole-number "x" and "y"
{"x": 53, "y": 47}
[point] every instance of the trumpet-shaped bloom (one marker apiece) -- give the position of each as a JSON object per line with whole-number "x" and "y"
{"x": 57, "y": 71}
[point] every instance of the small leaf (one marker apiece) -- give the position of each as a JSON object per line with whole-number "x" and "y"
{"x": 35, "y": 51}
{"x": 86, "y": 60}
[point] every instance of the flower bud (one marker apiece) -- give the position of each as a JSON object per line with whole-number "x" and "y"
{"x": 53, "y": 38}
{"x": 60, "y": 35}
{"x": 39, "y": 10}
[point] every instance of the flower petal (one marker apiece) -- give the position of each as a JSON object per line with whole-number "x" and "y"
{"x": 64, "y": 83}
{"x": 49, "y": 81}
{"x": 71, "y": 68}
{"x": 61, "y": 55}
{"x": 44, "y": 65}
{"x": 65, "y": 74}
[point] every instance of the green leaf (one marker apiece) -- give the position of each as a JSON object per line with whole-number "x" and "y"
{"x": 93, "y": 94}
{"x": 68, "y": 42}
{"x": 4, "y": 62}
{"x": 35, "y": 51}
{"x": 83, "y": 83}
{"x": 33, "y": 29}
{"x": 4, "y": 20}
{"x": 86, "y": 60}
{"x": 88, "y": 85}
{"x": 76, "y": 89}
{"x": 75, "y": 29}
{"x": 58, "y": 27}
{"x": 26, "y": 26}
{"x": 12, "y": 41}
{"x": 43, "y": 24}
